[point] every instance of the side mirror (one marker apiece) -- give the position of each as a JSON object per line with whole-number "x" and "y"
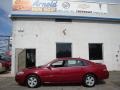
{"x": 49, "y": 67}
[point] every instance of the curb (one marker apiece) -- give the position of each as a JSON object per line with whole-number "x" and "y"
{"x": 6, "y": 74}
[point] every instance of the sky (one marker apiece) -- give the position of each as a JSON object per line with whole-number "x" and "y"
{"x": 5, "y": 9}
{"x": 5, "y": 22}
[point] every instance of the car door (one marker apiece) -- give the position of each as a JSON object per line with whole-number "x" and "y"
{"x": 72, "y": 71}
{"x": 53, "y": 73}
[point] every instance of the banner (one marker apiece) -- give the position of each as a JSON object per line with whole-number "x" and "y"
{"x": 59, "y": 6}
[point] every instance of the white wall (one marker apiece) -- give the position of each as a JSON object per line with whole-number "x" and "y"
{"x": 43, "y": 35}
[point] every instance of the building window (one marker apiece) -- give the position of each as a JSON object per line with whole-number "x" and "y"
{"x": 95, "y": 51}
{"x": 63, "y": 50}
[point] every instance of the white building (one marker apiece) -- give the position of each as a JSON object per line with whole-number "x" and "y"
{"x": 90, "y": 31}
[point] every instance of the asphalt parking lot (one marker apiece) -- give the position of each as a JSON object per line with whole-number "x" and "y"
{"x": 7, "y": 82}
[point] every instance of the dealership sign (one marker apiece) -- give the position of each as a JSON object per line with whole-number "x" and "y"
{"x": 59, "y": 6}
{"x": 44, "y": 5}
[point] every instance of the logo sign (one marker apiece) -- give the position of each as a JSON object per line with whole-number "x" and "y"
{"x": 59, "y": 6}
{"x": 81, "y": 7}
{"x": 66, "y": 5}
{"x": 22, "y": 5}
{"x": 91, "y": 7}
{"x": 44, "y": 5}
{"x": 35, "y": 5}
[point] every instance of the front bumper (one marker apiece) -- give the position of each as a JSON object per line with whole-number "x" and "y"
{"x": 20, "y": 79}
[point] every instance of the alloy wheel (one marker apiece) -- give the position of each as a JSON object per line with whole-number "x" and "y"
{"x": 33, "y": 81}
{"x": 89, "y": 80}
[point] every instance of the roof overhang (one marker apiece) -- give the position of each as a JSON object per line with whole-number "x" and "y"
{"x": 89, "y": 18}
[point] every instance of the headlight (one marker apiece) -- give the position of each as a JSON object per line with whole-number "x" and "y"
{"x": 19, "y": 73}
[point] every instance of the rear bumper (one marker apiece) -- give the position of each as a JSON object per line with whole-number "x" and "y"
{"x": 104, "y": 75}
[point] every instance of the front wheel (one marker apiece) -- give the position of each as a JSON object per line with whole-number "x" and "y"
{"x": 33, "y": 81}
{"x": 89, "y": 80}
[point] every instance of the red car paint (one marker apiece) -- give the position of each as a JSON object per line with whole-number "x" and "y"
{"x": 5, "y": 60}
{"x": 6, "y": 64}
{"x": 68, "y": 74}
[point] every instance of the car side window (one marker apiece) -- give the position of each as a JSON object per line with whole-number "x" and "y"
{"x": 57, "y": 64}
{"x": 80, "y": 63}
{"x": 70, "y": 63}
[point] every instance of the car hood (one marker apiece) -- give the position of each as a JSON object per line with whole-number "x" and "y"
{"x": 33, "y": 68}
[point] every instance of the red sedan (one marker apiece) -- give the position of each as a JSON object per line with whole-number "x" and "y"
{"x": 63, "y": 70}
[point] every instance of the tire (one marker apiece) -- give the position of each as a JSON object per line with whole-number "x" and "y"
{"x": 89, "y": 80}
{"x": 33, "y": 81}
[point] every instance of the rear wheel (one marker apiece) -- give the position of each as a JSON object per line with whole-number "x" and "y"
{"x": 89, "y": 80}
{"x": 33, "y": 81}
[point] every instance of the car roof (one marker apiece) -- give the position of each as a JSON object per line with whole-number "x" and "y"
{"x": 69, "y": 58}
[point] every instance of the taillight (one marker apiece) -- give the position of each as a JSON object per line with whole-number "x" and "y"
{"x": 105, "y": 69}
